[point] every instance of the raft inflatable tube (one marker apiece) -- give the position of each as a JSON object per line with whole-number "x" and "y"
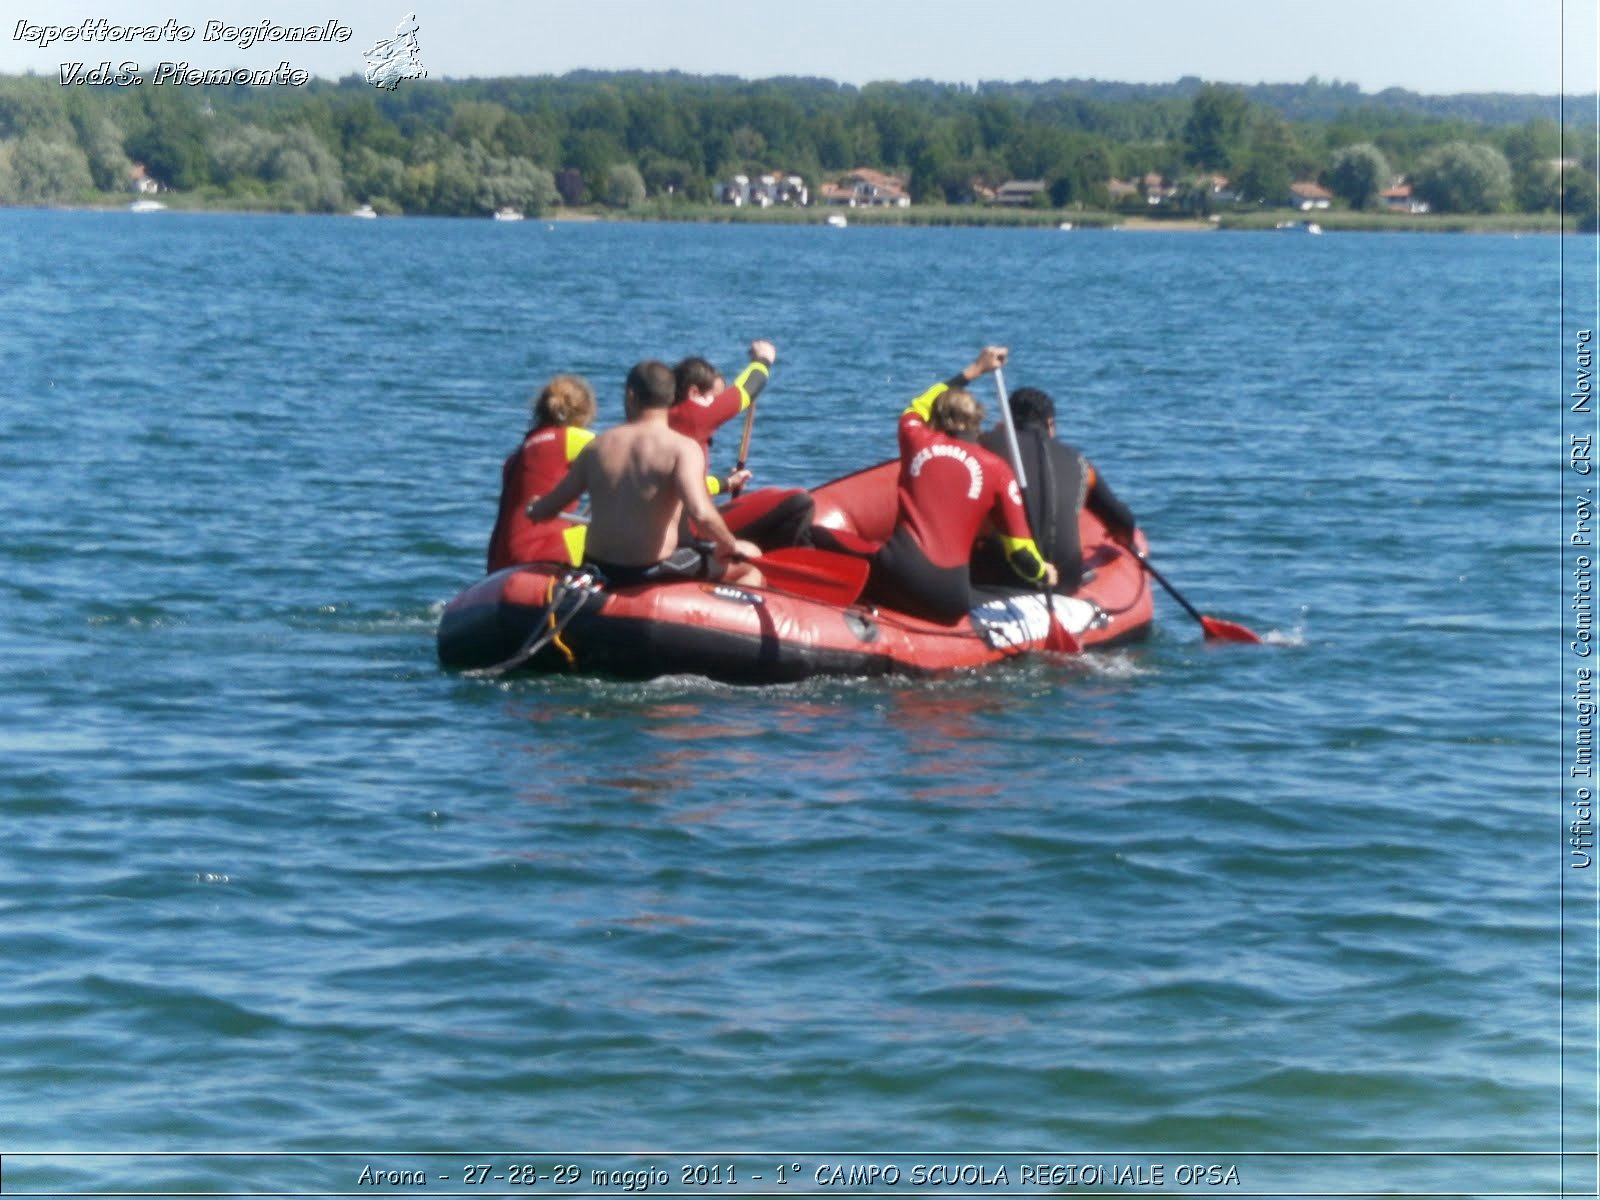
{"x": 546, "y": 617}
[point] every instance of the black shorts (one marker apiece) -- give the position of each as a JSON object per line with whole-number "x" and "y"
{"x": 686, "y": 562}
{"x": 903, "y": 579}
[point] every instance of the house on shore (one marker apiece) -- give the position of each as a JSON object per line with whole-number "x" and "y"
{"x": 765, "y": 191}
{"x": 1157, "y": 189}
{"x": 1222, "y": 189}
{"x": 867, "y": 188}
{"x": 1019, "y": 193}
{"x": 141, "y": 182}
{"x": 1400, "y": 200}
{"x": 1307, "y": 195}
{"x": 1153, "y": 186}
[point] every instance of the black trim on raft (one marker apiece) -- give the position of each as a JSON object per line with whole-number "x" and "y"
{"x": 478, "y": 636}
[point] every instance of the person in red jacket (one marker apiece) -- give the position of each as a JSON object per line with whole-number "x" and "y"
{"x": 562, "y": 412}
{"x": 701, "y": 404}
{"x": 948, "y": 487}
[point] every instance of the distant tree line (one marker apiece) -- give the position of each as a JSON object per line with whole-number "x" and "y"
{"x": 629, "y": 139}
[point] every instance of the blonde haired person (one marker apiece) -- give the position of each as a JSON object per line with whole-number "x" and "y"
{"x": 562, "y": 412}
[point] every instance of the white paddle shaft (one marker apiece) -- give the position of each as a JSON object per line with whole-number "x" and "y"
{"x": 1011, "y": 427}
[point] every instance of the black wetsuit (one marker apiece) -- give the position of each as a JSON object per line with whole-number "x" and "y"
{"x": 1060, "y": 483}
{"x": 902, "y": 578}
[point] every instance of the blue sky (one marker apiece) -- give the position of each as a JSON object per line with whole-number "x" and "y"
{"x": 1433, "y": 46}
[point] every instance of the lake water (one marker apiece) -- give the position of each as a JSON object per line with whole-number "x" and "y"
{"x": 272, "y": 882}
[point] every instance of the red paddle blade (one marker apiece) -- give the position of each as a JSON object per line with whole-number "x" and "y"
{"x": 1227, "y": 631}
{"x": 819, "y": 574}
{"x": 1060, "y": 639}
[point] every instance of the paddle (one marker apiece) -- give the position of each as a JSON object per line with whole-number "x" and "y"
{"x": 744, "y": 443}
{"x": 819, "y": 574}
{"x": 1011, "y": 428}
{"x": 1060, "y": 639}
{"x": 1226, "y": 631}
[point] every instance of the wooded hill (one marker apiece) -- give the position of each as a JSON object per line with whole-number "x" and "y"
{"x": 626, "y": 139}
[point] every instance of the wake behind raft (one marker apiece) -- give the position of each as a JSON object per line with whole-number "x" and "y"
{"x": 540, "y": 618}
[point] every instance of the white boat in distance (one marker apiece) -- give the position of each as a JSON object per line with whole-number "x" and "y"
{"x": 508, "y": 214}
{"x": 837, "y": 220}
{"x": 366, "y": 212}
{"x": 147, "y": 206}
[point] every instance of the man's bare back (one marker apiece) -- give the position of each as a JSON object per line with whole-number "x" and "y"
{"x": 637, "y": 475}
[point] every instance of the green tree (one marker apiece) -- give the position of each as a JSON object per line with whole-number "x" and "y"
{"x": 592, "y": 152}
{"x": 357, "y": 122}
{"x": 304, "y": 173}
{"x": 1580, "y": 197}
{"x": 1532, "y": 151}
{"x": 511, "y": 182}
{"x": 1358, "y": 173}
{"x": 601, "y": 111}
{"x": 1462, "y": 177}
{"x": 102, "y": 146}
{"x": 1263, "y": 177}
{"x": 478, "y": 121}
{"x": 1192, "y": 195}
{"x": 47, "y": 170}
{"x": 1535, "y": 186}
{"x": 998, "y": 122}
{"x": 1215, "y": 131}
{"x": 29, "y": 105}
{"x": 455, "y": 185}
{"x": 657, "y": 125}
{"x": 1272, "y": 161}
{"x": 672, "y": 177}
{"x": 898, "y": 127}
{"x": 864, "y": 140}
{"x": 624, "y": 186}
{"x": 417, "y": 186}
{"x": 1085, "y": 175}
{"x": 749, "y": 147}
{"x": 533, "y": 136}
{"x": 835, "y": 148}
{"x": 1041, "y": 153}
{"x": 171, "y": 141}
{"x": 931, "y": 161}
{"x": 375, "y": 179}
{"x": 240, "y": 153}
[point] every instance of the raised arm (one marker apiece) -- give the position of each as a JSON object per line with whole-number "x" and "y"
{"x": 750, "y": 382}
{"x": 989, "y": 358}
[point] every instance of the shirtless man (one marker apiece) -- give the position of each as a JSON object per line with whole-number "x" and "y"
{"x": 642, "y": 478}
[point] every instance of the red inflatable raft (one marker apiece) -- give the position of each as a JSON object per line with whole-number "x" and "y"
{"x": 544, "y": 617}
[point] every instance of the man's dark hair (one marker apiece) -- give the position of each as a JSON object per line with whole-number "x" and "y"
{"x": 1030, "y": 406}
{"x": 692, "y": 373}
{"x": 650, "y": 384}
